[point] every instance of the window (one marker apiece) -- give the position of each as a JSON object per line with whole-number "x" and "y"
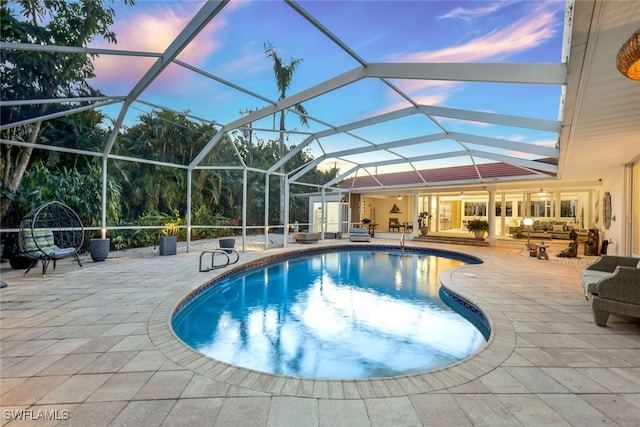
{"x": 509, "y": 211}
{"x": 541, "y": 208}
{"x": 475, "y": 209}
{"x": 568, "y": 208}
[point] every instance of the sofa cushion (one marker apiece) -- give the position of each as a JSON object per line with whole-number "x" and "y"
{"x": 590, "y": 279}
{"x": 593, "y": 276}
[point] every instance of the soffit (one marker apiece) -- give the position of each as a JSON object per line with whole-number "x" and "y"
{"x": 601, "y": 127}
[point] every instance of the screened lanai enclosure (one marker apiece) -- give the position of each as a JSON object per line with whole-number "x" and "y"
{"x": 267, "y": 111}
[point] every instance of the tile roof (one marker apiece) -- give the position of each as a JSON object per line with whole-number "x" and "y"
{"x": 448, "y": 175}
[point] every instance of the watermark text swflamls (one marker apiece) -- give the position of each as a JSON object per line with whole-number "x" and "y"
{"x": 35, "y": 414}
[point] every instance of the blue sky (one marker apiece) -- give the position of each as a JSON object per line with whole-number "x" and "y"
{"x": 232, "y": 48}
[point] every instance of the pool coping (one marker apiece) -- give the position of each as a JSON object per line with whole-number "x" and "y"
{"x": 498, "y": 348}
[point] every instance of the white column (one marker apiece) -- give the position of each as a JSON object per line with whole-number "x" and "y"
{"x": 436, "y": 214}
{"x": 266, "y": 211}
{"x": 323, "y": 225}
{"x": 244, "y": 209}
{"x": 188, "y": 213}
{"x": 285, "y": 231}
{"x": 491, "y": 217}
{"x": 416, "y": 212}
{"x": 503, "y": 214}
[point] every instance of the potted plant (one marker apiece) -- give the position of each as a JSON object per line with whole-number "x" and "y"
{"x": 479, "y": 227}
{"x": 424, "y": 221}
{"x": 99, "y": 248}
{"x": 169, "y": 238}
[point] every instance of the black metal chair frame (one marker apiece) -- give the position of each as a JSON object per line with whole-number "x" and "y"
{"x": 50, "y": 232}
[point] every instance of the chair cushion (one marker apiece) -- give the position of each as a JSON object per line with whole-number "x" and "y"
{"x": 61, "y": 252}
{"x": 40, "y": 240}
{"x": 358, "y": 231}
{"x": 593, "y": 276}
{"x": 590, "y": 279}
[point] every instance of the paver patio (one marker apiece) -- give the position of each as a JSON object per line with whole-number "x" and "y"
{"x": 94, "y": 346}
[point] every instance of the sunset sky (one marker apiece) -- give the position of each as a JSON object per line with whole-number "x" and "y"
{"x": 232, "y": 48}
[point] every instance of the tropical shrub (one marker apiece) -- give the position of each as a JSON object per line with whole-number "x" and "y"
{"x": 80, "y": 191}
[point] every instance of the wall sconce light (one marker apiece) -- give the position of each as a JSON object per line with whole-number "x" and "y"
{"x": 628, "y": 59}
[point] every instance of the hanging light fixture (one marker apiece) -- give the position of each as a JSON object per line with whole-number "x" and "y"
{"x": 461, "y": 195}
{"x": 399, "y": 197}
{"x": 628, "y": 59}
{"x": 541, "y": 192}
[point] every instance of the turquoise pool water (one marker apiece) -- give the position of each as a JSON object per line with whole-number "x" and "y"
{"x": 339, "y": 314}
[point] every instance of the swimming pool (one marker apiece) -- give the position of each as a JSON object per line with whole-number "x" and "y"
{"x": 345, "y": 314}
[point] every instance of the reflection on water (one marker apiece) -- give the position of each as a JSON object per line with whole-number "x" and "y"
{"x": 335, "y": 315}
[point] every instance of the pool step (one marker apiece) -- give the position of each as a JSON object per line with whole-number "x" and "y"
{"x": 452, "y": 240}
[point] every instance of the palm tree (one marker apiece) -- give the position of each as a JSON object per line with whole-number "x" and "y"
{"x": 284, "y": 74}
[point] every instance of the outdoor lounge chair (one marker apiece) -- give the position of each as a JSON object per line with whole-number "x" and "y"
{"x": 613, "y": 282}
{"x": 50, "y": 232}
{"x": 618, "y": 294}
{"x": 359, "y": 235}
{"x": 603, "y": 268}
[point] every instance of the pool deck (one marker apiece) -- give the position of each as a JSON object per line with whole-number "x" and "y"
{"x": 93, "y": 347}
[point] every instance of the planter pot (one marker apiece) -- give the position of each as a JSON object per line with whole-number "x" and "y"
{"x": 168, "y": 245}
{"x": 20, "y": 262}
{"x": 424, "y": 231}
{"x": 99, "y": 249}
{"x": 479, "y": 234}
{"x": 227, "y": 243}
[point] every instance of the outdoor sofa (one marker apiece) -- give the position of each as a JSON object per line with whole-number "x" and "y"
{"x": 613, "y": 282}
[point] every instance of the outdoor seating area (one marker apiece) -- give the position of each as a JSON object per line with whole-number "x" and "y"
{"x": 115, "y": 361}
{"x": 397, "y": 226}
{"x": 232, "y": 157}
{"x": 549, "y": 230}
{"x": 613, "y": 285}
{"x": 50, "y": 232}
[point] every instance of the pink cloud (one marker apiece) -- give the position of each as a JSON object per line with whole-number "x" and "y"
{"x": 526, "y": 33}
{"x": 152, "y": 32}
{"x": 251, "y": 62}
{"x": 423, "y": 99}
{"x": 470, "y": 14}
{"x": 521, "y": 35}
{"x": 416, "y": 86}
{"x": 453, "y": 122}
